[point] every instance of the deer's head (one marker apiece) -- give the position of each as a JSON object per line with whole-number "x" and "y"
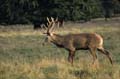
{"x": 49, "y": 30}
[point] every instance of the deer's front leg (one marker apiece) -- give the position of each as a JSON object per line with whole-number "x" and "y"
{"x": 95, "y": 63}
{"x": 71, "y": 56}
{"x": 93, "y": 52}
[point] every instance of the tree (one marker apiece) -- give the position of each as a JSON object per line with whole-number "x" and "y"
{"x": 30, "y": 11}
{"x": 107, "y": 7}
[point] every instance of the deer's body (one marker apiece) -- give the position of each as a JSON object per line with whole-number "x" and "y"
{"x": 73, "y": 42}
{"x": 77, "y": 41}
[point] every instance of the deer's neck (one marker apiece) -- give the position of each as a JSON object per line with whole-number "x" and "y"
{"x": 57, "y": 39}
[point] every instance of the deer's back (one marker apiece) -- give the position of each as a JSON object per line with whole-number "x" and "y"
{"x": 84, "y": 40}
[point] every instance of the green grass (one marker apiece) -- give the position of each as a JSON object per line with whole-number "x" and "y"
{"x": 22, "y": 55}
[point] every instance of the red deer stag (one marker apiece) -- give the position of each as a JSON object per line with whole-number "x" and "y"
{"x": 74, "y": 42}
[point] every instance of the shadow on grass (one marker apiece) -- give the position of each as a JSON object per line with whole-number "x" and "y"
{"x": 82, "y": 74}
{"x": 51, "y": 72}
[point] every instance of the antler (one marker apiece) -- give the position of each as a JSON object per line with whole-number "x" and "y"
{"x": 50, "y": 24}
{"x": 53, "y": 24}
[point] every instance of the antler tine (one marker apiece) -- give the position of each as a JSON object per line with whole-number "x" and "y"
{"x": 57, "y": 22}
{"x": 52, "y": 25}
{"x": 43, "y": 28}
{"x": 56, "y": 19}
{"x": 48, "y": 21}
{"x": 48, "y": 24}
{"x": 52, "y": 19}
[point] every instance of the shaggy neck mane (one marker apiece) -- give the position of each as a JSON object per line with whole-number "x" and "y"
{"x": 57, "y": 39}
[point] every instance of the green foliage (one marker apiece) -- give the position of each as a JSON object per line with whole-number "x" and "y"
{"x": 28, "y": 11}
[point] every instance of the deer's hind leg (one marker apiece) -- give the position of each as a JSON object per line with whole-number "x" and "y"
{"x": 105, "y": 52}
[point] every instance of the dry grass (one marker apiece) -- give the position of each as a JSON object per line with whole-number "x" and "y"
{"x": 23, "y": 57}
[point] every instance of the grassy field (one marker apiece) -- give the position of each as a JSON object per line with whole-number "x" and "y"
{"x": 22, "y": 55}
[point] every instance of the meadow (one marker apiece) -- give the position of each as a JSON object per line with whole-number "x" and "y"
{"x": 22, "y": 55}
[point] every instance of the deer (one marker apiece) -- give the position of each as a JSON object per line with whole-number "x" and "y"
{"x": 74, "y": 42}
